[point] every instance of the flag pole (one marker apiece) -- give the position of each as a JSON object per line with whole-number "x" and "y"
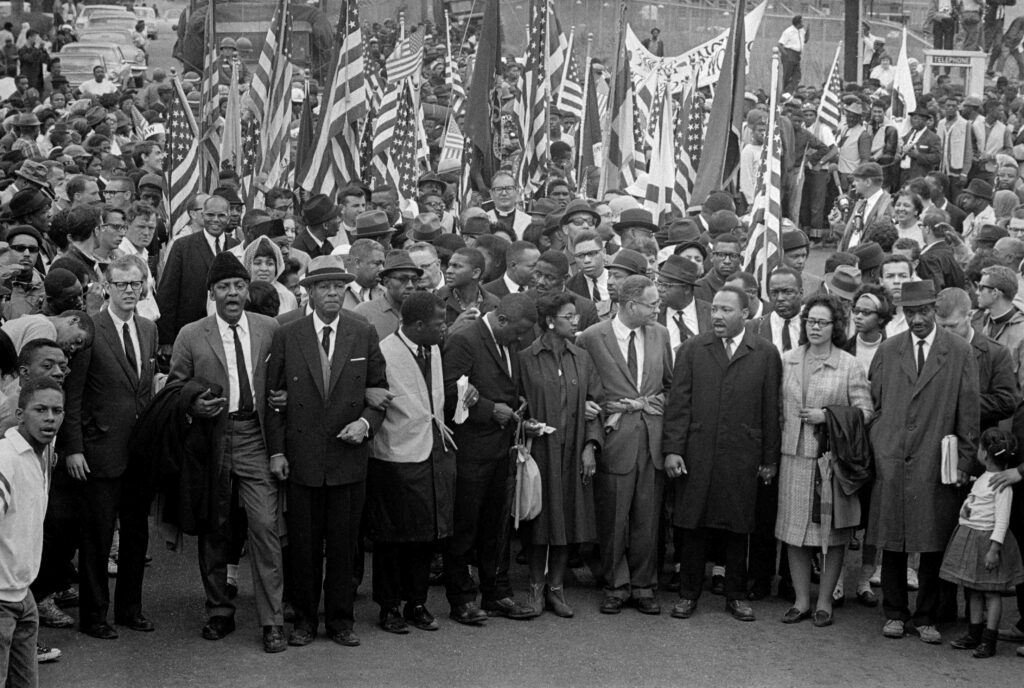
{"x": 770, "y": 143}
{"x": 557, "y": 97}
{"x": 581, "y": 182}
{"x": 835, "y": 65}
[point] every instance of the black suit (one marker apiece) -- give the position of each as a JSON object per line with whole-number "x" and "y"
{"x": 939, "y": 265}
{"x": 703, "y": 319}
{"x": 305, "y": 242}
{"x": 956, "y": 217}
{"x": 104, "y": 397}
{"x": 182, "y": 292}
{"x": 327, "y": 476}
{"x": 485, "y": 477}
{"x": 499, "y": 288}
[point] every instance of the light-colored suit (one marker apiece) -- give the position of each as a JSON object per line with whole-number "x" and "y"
{"x": 629, "y": 482}
{"x": 882, "y": 211}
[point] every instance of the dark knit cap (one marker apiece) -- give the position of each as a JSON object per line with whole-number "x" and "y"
{"x": 226, "y": 266}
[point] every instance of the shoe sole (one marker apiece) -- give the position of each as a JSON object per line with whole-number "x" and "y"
{"x": 468, "y": 622}
{"x": 676, "y": 615}
{"x": 425, "y": 627}
{"x": 274, "y": 650}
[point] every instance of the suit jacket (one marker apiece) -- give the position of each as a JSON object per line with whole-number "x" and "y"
{"x": 911, "y": 510}
{"x": 880, "y": 212}
{"x": 182, "y": 292}
{"x": 105, "y": 396}
{"x": 199, "y": 353}
{"x": 305, "y": 242}
{"x": 471, "y": 351}
{"x": 939, "y": 265}
{"x": 307, "y": 431}
{"x": 956, "y": 217}
{"x": 703, "y": 317}
{"x": 619, "y": 455}
{"x": 929, "y": 155}
{"x": 997, "y": 383}
{"x": 579, "y": 284}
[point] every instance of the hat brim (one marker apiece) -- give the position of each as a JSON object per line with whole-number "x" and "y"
{"x": 839, "y": 291}
{"x": 631, "y": 271}
{"x": 621, "y": 227}
{"x": 919, "y": 301}
{"x": 372, "y": 232}
{"x": 401, "y": 268}
{"x": 327, "y": 276}
{"x": 592, "y": 213}
{"x": 675, "y": 280}
{"x": 320, "y": 220}
{"x": 977, "y": 195}
{"x": 691, "y": 244}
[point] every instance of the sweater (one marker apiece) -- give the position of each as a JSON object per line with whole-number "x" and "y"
{"x": 985, "y": 509}
{"x": 24, "y": 491}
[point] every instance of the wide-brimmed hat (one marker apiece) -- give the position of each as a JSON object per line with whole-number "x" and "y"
{"x": 319, "y": 209}
{"x": 855, "y": 107}
{"x": 635, "y": 217}
{"x": 629, "y": 261}
{"x": 425, "y": 227}
{"x": 431, "y": 177}
{"x": 372, "y": 223}
{"x": 917, "y": 293}
{"x": 679, "y": 270}
{"x": 25, "y": 119}
{"x": 990, "y": 234}
{"x": 979, "y": 188}
{"x": 869, "y": 255}
{"x": 845, "y": 281}
{"x": 579, "y": 205}
{"x": 542, "y": 207}
{"x": 677, "y": 232}
{"x": 157, "y": 182}
{"x": 323, "y": 268}
{"x": 399, "y": 260}
{"x": 33, "y": 172}
{"x": 678, "y": 250}
{"x": 26, "y": 202}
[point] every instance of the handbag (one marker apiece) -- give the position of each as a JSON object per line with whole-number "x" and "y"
{"x": 527, "y": 503}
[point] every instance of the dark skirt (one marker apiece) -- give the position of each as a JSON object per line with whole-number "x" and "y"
{"x": 964, "y": 562}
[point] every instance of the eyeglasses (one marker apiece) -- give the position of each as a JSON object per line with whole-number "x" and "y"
{"x": 24, "y": 248}
{"x": 585, "y": 221}
{"x": 776, "y": 293}
{"x": 864, "y": 311}
{"x": 503, "y": 189}
{"x": 586, "y": 255}
{"x": 726, "y": 255}
{"x": 816, "y": 323}
{"x": 575, "y": 317}
{"x": 654, "y": 305}
{"x": 136, "y": 285}
{"x": 116, "y": 228}
{"x": 989, "y": 287}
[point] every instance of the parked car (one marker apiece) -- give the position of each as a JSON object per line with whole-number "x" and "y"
{"x": 116, "y": 61}
{"x": 148, "y": 15}
{"x": 90, "y": 11}
{"x": 77, "y": 67}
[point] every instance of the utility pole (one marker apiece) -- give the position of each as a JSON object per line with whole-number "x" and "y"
{"x": 851, "y": 39}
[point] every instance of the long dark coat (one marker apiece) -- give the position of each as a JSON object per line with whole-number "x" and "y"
{"x": 567, "y": 515}
{"x": 722, "y": 417}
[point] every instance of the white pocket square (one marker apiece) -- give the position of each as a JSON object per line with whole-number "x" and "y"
{"x": 357, "y": 359}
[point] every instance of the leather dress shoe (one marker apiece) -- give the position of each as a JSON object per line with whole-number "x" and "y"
{"x": 611, "y": 605}
{"x": 508, "y": 607}
{"x": 684, "y": 608}
{"x": 348, "y": 638}
{"x": 648, "y": 605}
{"x": 392, "y": 622}
{"x": 822, "y": 618}
{"x": 102, "y": 630}
{"x": 232, "y": 590}
{"x": 218, "y": 626}
{"x": 300, "y": 637}
{"x": 420, "y": 617}
{"x": 468, "y": 614}
{"x": 273, "y": 639}
{"x": 740, "y": 610}
{"x": 136, "y": 622}
{"x": 794, "y": 615}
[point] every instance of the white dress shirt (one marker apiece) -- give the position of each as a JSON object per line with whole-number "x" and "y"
{"x": 227, "y": 338}
{"x": 622, "y": 337}
{"x": 792, "y": 38}
{"x": 133, "y": 333}
{"x": 689, "y": 315}
{"x": 318, "y": 328}
{"x": 777, "y": 322}
{"x": 503, "y": 351}
{"x": 928, "y": 341}
{"x": 736, "y": 341}
{"x": 602, "y": 285}
{"x": 512, "y": 287}
{"x": 211, "y": 241}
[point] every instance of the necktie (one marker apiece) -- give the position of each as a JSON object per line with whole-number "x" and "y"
{"x": 244, "y": 388}
{"x": 597, "y": 290}
{"x": 728, "y": 349}
{"x": 787, "y": 341}
{"x": 129, "y": 349}
{"x": 216, "y": 245}
{"x": 678, "y": 318}
{"x": 521, "y": 289}
{"x": 631, "y": 360}
{"x": 325, "y": 341}
{"x": 504, "y": 359}
{"x": 920, "y": 356}
{"x": 423, "y": 360}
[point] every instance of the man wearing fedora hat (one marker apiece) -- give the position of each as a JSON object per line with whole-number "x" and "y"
{"x": 625, "y": 263}
{"x": 425, "y": 227}
{"x": 373, "y": 224}
{"x": 924, "y": 384}
{"x": 364, "y": 261}
{"x": 683, "y": 315}
{"x": 873, "y": 205}
{"x": 635, "y": 223}
{"x": 26, "y": 127}
{"x": 398, "y": 278}
{"x": 320, "y": 215}
{"x": 854, "y": 143}
{"x": 976, "y": 201}
{"x": 31, "y": 175}
{"x": 325, "y": 362}
{"x": 920, "y": 149}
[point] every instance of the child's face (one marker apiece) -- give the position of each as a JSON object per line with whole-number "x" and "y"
{"x": 985, "y": 460}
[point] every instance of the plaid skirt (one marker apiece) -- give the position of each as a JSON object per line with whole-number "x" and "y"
{"x": 964, "y": 561}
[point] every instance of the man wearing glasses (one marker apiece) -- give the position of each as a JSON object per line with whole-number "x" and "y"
{"x": 112, "y": 380}
{"x": 726, "y": 256}
{"x": 505, "y": 211}
{"x": 997, "y": 317}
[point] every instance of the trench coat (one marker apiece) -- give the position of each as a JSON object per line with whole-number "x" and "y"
{"x": 911, "y": 510}
{"x": 567, "y": 514}
{"x": 722, "y": 417}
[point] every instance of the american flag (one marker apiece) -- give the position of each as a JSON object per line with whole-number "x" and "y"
{"x": 570, "y": 97}
{"x": 762, "y": 254}
{"x": 452, "y": 78}
{"x": 334, "y": 160}
{"x": 183, "y": 177}
{"x": 402, "y": 167}
{"x": 532, "y": 107}
{"x": 406, "y": 60}
{"x": 384, "y": 126}
{"x": 271, "y": 94}
{"x": 689, "y": 140}
{"x": 830, "y": 111}
{"x": 558, "y": 48}
{"x": 251, "y": 161}
{"x": 620, "y": 152}
{"x": 660, "y": 196}
{"x": 210, "y": 95}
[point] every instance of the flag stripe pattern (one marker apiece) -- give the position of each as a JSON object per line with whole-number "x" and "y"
{"x": 660, "y": 192}
{"x": 830, "y": 111}
{"x": 276, "y": 118}
{"x": 210, "y": 92}
{"x": 406, "y": 143}
{"x": 182, "y": 157}
{"x": 570, "y": 97}
{"x": 406, "y": 60}
{"x": 532, "y": 108}
{"x": 259, "y": 89}
{"x": 689, "y": 140}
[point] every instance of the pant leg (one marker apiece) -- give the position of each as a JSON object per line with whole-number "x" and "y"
{"x": 895, "y": 601}
{"x": 1017, "y": 528}
{"x": 691, "y": 570}
{"x": 344, "y": 510}
{"x": 19, "y": 631}
{"x": 643, "y": 524}
{"x": 929, "y": 590}
{"x": 98, "y": 500}
{"x": 763, "y": 545}
{"x": 305, "y": 517}
{"x": 133, "y": 516}
{"x": 493, "y": 541}
{"x": 470, "y": 483}
{"x": 612, "y": 497}
{"x": 258, "y": 494}
{"x": 61, "y": 535}
{"x": 387, "y": 574}
{"x": 416, "y": 557}
{"x": 815, "y": 186}
{"x": 735, "y": 565}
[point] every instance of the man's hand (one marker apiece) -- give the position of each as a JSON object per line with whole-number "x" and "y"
{"x": 962, "y": 478}
{"x": 378, "y": 398}
{"x": 674, "y": 465}
{"x": 589, "y": 463}
{"x": 591, "y": 410}
{"x": 1004, "y": 479}
{"x": 502, "y": 414}
{"x": 472, "y": 396}
{"x": 279, "y": 466}
{"x": 465, "y": 317}
{"x": 204, "y": 407}
{"x": 278, "y": 399}
{"x": 767, "y": 473}
{"x": 532, "y": 427}
{"x": 10, "y": 270}
{"x": 164, "y": 350}
{"x": 77, "y": 466}
{"x": 354, "y": 432}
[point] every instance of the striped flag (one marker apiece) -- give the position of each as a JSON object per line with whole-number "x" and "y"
{"x": 406, "y": 60}
{"x": 620, "y": 152}
{"x": 660, "y": 193}
{"x": 250, "y": 161}
{"x": 271, "y": 95}
{"x": 532, "y": 106}
{"x": 406, "y": 144}
{"x": 209, "y": 107}
{"x": 454, "y": 142}
{"x": 452, "y": 78}
{"x": 305, "y": 140}
{"x": 558, "y": 48}
{"x": 570, "y": 96}
{"x": 830, "y": 111}
{"x": 763, "y": 254}
{"x": 262, "y": 79}
{"x": 689, "y": 140}
{"x": 334, "y": 159}
{"x": 183, "y": 177}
